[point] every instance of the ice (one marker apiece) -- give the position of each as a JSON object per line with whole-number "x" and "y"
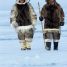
{"x": 10, "y": 53}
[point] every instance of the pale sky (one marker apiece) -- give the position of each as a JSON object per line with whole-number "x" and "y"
{"x": 6, "y": 4}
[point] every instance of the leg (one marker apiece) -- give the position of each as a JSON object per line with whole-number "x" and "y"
{"x": 28, "y": 37}
{"x": 55, "y": 45}
{"x": 28, "y": 44}
{"x": 56, "y": 37}
{"x": 21, "y": 37}
{"x": 23, "y": 45}
{"x": 47, "y": 37}
{"x": 48, "y": 46}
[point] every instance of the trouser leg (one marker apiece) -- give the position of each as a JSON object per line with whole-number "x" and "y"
{"x": 28, "y": 37}
{"x": 23, "y": 45}
{"x": 28, "y": 45}
{"x": 56, "y": 37}
{"x": 47, "y": 38}
{"x": 21, "y": 37}
{"x": 25, "y": 36}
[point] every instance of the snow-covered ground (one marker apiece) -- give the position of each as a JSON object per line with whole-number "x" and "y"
{"x": 10, "y": 53}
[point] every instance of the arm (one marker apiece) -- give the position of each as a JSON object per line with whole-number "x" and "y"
{"x": 61, "y": 16}
{"x": 43, "y": 14}
{"x": 13, "y": 16}
{"x": 33, "y": 15}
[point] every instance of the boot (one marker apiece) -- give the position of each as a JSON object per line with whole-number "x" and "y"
{"x": 28, "y": 46}
{"x": 23, "y": 46}
{"x": 48, "y": 46}
{"x": 55, "y": 45}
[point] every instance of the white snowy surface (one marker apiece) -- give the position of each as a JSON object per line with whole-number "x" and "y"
{"x": 10, "y": 53}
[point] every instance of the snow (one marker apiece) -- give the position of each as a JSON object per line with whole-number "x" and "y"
{"x": 10, "y": 53}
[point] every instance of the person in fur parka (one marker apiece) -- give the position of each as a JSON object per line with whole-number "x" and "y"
{"x": 23, "y": 19}
{"x": 53, "y": 16}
